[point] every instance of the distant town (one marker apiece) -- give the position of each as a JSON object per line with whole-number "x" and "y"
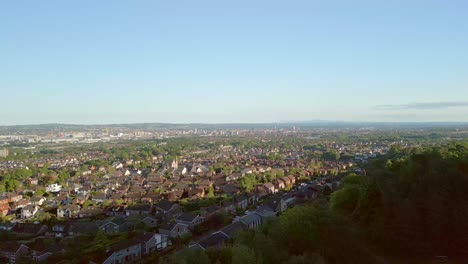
{"x": 134, "y": 193}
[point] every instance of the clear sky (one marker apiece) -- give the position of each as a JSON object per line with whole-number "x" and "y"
{"x": 178, "y": 61}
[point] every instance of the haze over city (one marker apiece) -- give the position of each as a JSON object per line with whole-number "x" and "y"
{"x": 89, "y": 62}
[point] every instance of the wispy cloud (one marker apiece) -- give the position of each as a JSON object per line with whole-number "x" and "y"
{"x": 422, "y": 106}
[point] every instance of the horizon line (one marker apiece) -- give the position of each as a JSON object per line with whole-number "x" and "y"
{"x": 244, "y": 123}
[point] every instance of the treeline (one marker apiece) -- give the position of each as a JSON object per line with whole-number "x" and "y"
{"x": 412, "y": 204}
{"x": 409, "y": 206}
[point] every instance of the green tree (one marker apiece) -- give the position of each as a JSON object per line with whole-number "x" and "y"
{"x": 11, "y": 185}
{"x": 331, "y": 155}
{"x": 210, "y": 193}
{"x": 241, "y": 254}
{"x": 189, "y": 256}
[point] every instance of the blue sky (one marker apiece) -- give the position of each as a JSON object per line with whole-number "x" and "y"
{"x": 232, "y": 61}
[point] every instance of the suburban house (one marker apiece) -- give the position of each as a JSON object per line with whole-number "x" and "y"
{"x": 153, "y": 242}
{"x": 117, "y": 210}
{"x": 60, "y": 230}
{"x": 209, "y": 211}
{"x": 167, "y": 208}
{"x": 232, "y": 229}
{"x": 265, "y": 212}
{"x": 13, "y": 251}
{"x": 269, "y": 187}
{"x": 251, "y": 221}
{"x": 174, "y": 229}
{"x": 29, "y": 228}
{"x": 246, "y": 171}
{"x": 287, "y": 180}
{"x": 215, "y": 240}
{"x": 138, "y": 209}
{"x": 83, "y": 191}
{"x": 37, "y": 200}
{"x": 68, "y": 211}
{"x": 150, "y": 221}
{"x": 40, "y": 254}
{"x": 233, "y": 176}
{"x": 99, "y": 197}
{"x": 4, "y": 207}
{"x": 20, "y": 204}
{"x": 90, "y": 212}
{"x": 289, "y": 200}
{"x": 14, "y": 197}
{"x": 292, "y": 179}
{"x": 261, "y": 191}
{"x": 277, "y": 204}
{"x": 65, "y": 191}
{"x": 79, "y": 200}
{"x": 111, "y": 227}
{"x": 126, "y": 251}
{"x": 53, "y": 188}
{"x": 32, "y": 181}
{"x": 252, "y": 198}
{"x": 241, "y": 201}
{"x": 189, "y": 219}
{"x": 133, "y": 197}
{"x": 279, "y": 184}
{"x": 28, "y": 211}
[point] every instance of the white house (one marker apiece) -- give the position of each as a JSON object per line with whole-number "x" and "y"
{"x": 54, "y": 188}
{"x": 37, "y": 200}
{"x": 28, "y": 211}
{"x": 153, "y": 242}
{"x": 68, "y": 211}
{"x": 117, "y": 165}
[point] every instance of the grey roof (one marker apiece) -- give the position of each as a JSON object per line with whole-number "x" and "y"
{"x": 165, "y": 205}
{"x": 36, "y": 198}
{"x": 139, "y": 207}
{"x": 71, "y": 207}
{"x": 196, "y": 247}
{"x": 187, "y": 217}
{"x": 250, "y": 218}
{"x": 145, "y": 237}
{"x": 233, "y": 228}
{"x": 29, "y": 207}
{"x": 213, "y": 240}
{"x": 29, "y": 228}
{"x": 170, "y": 226}
{"x": 265, "y": 211}
{"x": 117, "y": 220}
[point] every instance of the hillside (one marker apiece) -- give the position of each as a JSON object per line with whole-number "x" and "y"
{"x": 411, "y": 206}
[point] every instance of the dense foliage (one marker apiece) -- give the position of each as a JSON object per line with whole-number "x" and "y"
{"x": 415, "y": 204}
{"x": 409, "y": 205}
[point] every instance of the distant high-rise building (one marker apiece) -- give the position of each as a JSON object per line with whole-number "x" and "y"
{"x": 4, "y": 153}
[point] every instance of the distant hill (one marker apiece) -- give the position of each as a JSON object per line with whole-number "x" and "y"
{"x": 279, "y": 125}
